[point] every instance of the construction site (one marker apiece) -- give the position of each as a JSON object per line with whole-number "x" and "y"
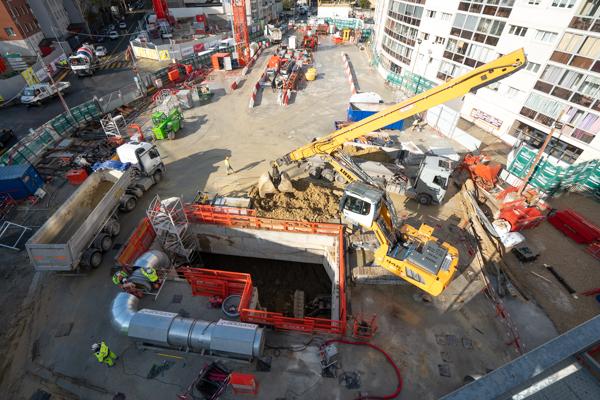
{"x": 294, "y": 228}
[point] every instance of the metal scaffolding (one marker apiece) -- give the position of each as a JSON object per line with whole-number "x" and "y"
{"x": 171, "y": 226}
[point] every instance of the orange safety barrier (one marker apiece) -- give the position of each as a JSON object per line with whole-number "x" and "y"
{"x": 223, "y": 283}
{"x": 139, "y": 242}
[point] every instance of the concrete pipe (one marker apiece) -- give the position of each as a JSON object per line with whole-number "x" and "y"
{"x": 228, "y": 338}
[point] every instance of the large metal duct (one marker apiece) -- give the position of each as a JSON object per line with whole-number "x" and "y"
{"x": 152, "y": 258}
{"x": 230, "y": 338}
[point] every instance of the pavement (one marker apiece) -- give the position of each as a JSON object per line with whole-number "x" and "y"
{"x": 50, "y": 338}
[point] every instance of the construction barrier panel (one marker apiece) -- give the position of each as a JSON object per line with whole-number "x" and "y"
{"x": 222, "y": 283}
{"x": 348, "y": 73}
{"x": 137, "y": 244}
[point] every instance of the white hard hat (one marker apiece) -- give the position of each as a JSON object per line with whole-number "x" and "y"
{"x": 95, "y": 347}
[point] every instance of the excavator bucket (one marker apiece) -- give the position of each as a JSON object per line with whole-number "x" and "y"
{"x": 285, "y": 186}
{"x": 265, "y": 185}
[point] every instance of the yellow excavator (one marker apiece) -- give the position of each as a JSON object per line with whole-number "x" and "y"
{"x": 413, "y": 254}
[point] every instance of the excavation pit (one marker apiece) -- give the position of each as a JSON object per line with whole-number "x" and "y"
{"x": 278, "y": 257}
{"x": 278, "y": 280}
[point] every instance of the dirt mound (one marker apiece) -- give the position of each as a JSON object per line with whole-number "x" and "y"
{"x": 308, "y": 202}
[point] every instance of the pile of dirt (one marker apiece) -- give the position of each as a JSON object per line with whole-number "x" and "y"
{"x": 308, "y": 202}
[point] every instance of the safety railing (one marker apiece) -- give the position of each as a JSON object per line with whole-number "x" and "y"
{"x": 137, "y": 244}
{"x": 214, "y": 282}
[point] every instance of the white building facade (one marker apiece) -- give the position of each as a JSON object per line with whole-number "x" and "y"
{"x": 420, "y": 43}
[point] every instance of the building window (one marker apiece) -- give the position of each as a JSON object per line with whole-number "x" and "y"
{"x": 591, "y": 47}
{"x": 545, "y": 36}
{"x": 10, "y": 32}
{"x": 439, "y": 40}
{"x": 430, "y": 13}
{"x": 570, "y": 43}
{"x": 511, "y": 92}
{"x": 517, "y": 30}
{"x": 446, "y": 16}
{"x": 425, "y": 36}
{"x": 533, "y": 2}
{"x": 563, "y": 3}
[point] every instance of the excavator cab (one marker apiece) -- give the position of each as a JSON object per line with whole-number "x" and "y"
{"x": 361, "y": 203}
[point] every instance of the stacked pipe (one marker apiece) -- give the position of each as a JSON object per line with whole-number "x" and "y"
{"x": 349, "y": 73}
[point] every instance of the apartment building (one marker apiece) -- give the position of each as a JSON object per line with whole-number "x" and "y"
{"x": 19, "y": 31}
{"x": 420, "y": 43}
{"x": 52, "y": 17}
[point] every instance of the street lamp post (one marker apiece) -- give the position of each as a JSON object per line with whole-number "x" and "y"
{"x": 419, "y": 41}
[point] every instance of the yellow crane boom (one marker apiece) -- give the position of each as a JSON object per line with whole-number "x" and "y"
{"x": 470, "y": 82}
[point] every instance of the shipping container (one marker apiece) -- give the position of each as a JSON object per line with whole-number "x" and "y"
{"x": 20, "y": 181}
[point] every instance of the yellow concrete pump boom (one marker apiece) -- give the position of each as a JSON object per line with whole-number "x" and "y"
{"x": 454, "y": 88}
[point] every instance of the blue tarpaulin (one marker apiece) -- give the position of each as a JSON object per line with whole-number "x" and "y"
{"x": 111, "y": 164}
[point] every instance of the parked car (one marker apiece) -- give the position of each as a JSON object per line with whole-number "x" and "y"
{"x": 101, "y": 51}
{"x": 113, "y": 35}
{"x": 122, "y": 25}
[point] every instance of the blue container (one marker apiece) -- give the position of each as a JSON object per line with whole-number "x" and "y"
{"x": 20, "y": 181}
{"x": 356, "y": 114}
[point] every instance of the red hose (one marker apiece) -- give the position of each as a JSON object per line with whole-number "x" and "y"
{"x": 389, "y": 360}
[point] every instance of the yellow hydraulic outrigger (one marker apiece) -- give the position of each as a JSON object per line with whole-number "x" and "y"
{"x": 413, "y": 254}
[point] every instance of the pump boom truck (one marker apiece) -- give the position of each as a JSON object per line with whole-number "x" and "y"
{"x": 413, "y": 254}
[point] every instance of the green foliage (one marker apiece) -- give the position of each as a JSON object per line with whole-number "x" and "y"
{"x": 364, "y": 4}
{"x": 288, "y": 4}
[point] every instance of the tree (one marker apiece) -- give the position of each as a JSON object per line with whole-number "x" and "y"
{"x": 288, "y": 4}
{"x": 364, "y": 4}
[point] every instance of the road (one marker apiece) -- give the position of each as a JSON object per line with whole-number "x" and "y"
{"x": 115, "y": 73}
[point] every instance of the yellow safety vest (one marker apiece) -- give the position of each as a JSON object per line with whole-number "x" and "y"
{"x": 118, "y": 276}
{"x": 152, "y": 276}
{"x": 102, "y": 353}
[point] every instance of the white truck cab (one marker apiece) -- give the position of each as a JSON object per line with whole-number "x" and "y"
{"x": 143, "y": 156}
{"x": 361, "y": 203}
{"x": 431, "y": 182}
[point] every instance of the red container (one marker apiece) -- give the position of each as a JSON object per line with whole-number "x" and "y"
{"x": 173, "y": 75}
{"x": 575, "y": 226}
{"x": 76, "y": 176}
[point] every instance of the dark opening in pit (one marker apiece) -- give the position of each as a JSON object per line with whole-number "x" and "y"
{"x": 278, "y": 280}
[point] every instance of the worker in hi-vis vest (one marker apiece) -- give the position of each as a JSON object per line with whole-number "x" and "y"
{"x": 104, "y": 354}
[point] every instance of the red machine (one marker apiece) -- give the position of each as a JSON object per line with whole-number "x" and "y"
{"x": 201, "y": 25}
{"x": 483, "y": 173}
{"x": 520, "y": 216}
{"x": 310, "y": 42}
{"x": 240, "y": 31}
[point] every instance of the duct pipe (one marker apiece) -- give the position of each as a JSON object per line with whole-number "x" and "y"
{"x": 237, "y": 339}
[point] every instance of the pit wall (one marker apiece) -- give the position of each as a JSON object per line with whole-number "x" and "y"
{"x": 283, "y": 246}
{"x": 277, "y": 239}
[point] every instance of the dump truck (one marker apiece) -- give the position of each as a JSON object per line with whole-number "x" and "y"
{"x": 40, "y": 92}
{"x": 83, "y": 228}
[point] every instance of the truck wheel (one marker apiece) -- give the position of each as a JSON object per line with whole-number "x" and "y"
{"x": 137, "y": 192}
{"x": 424, "y": 199}
{"x": 128, "y": 203}
{"x": 158, "y": 175}
{"x": 103, "y": 242}
{"x": 113, "y": 227}
{"x": 92, "y": 258}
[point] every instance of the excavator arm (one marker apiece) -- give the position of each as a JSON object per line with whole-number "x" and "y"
{"x": 454, "y": 88}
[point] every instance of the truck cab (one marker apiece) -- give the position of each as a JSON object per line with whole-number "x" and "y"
{"x": 144, "y": 157}
{"x": 431, "y": 182}
{"x": 35, "y": 93}
{"x": 361, "y": 203}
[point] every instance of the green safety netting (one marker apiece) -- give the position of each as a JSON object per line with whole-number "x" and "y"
{"x": 551, "y": 178}
{"x": 341, "y": 23}
{"x": 412, "y": 82}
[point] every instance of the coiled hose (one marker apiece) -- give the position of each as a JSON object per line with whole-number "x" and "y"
{"x": 389, "y": 360}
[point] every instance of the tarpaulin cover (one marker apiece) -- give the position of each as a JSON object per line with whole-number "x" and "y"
{"x": 111, "y": 164}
